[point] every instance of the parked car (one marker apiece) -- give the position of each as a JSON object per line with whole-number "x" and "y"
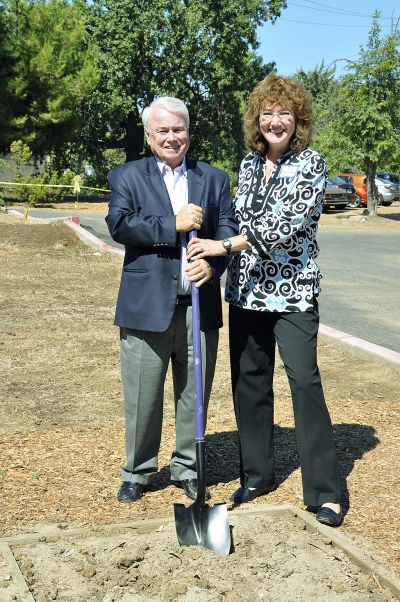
{"x": 340, "y": 183}
{"x": 335, "y": 196}
{"x": 387, "y": 191}
{"x": 393, "y": 179}
{"x": 358, "y": 181}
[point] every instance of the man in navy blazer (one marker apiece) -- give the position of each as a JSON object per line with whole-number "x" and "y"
{"x": 154, "y": 203}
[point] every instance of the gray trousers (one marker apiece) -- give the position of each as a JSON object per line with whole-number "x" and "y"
{"x": 144, "y": 362}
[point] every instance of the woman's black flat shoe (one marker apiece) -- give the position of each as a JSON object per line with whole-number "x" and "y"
{"x": 326, "y": 516}
{"x": 244, "y": 494}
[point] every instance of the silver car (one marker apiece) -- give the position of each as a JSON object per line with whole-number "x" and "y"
{"x": 387, "y": 193}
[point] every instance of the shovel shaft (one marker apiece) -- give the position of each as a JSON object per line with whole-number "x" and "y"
{"x": 197, "y": 364}
{"x": 199, "y": 524}
{"x": 201, "y": 472}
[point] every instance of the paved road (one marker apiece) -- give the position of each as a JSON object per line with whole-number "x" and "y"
{"x": 361, "y": 284}
{"x": 97, "y": 225}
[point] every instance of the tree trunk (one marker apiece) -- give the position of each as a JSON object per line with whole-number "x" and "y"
{"x": 134, "y": 137}
{"x": 372, "y": 193}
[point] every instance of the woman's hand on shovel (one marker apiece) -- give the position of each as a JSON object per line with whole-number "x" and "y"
{"x": 199, "y": 271}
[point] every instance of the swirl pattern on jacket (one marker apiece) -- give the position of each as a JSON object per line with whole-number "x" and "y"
{"x": 279, "y": 220}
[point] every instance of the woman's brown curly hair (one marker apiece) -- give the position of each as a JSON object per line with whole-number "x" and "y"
{"x": 289, "y": 94}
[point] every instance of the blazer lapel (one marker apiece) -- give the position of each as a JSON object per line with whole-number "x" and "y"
{"x": 196, "y": 182}
{"x": 156, "y": 184}
{"x": 153, "y": 177}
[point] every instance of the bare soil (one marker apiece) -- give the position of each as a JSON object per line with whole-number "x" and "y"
{"x": 274, "y": 558}
{"x": 62, "y": 442}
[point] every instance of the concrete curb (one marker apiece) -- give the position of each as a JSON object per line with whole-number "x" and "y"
{"x": 362, "y": 348}
{"x": 90, "y": 239}
{"x": 353, "y": 344}
{"x": 337, "y": 538}
{"x": 17, "y": 577}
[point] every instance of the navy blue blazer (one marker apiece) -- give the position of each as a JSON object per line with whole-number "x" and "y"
{"x": 140, "y": 216}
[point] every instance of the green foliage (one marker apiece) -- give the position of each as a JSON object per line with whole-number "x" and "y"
{"x": 5, "y": 71}
{"x": 49, "y": 71}
{"x": 2, "y": 164}
{"x": 113, "y": 157}
{"x": 76, "y": 76}
{"x": 195, "y": 50}
{"x": 322, "y": 85}
{"x": 34, "y": 195}
{"x": 319, "y": 82}
{"x": 22, "y": 154}
{"x": 360, "y": 125}
{"x": 97, "y": 180}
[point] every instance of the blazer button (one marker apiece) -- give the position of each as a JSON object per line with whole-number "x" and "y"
{"x": 175, "y": 277}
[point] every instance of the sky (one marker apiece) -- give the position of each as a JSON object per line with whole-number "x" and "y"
{"x": 308, "y": 32}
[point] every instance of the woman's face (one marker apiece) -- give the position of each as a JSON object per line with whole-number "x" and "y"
{"x": 277, "y": 125}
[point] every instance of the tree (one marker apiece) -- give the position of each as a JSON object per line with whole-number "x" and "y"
{"x": 22, "y": 154}
{"x": 321, "y": 84}
{"x": 201, "y": 52}
{"x": 5, "y": 73}
{"x": 49, "y": 72}
{"x": 363, "y": 118}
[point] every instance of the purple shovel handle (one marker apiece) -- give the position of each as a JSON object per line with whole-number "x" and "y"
{"x": 197, "y": 368}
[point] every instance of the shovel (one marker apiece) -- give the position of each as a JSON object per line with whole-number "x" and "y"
{"x": 201, "y": 524}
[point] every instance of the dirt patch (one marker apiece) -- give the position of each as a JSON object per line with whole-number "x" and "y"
{"x": 62, "y": 424}
{"x": 387, "y": 220}
{"x": 274, "y": 558}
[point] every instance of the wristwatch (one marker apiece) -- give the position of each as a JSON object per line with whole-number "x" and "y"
{"x": 227, "y": 244}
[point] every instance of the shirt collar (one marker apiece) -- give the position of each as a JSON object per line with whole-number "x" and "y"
{"x": 163, "y": 166}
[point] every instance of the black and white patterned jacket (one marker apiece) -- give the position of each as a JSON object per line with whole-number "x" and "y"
{"x": 279, "y": 220}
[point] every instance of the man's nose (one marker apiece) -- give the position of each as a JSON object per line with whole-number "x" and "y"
{"x": 171, "y": 135}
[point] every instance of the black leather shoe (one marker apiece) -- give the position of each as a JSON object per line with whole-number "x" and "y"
{"x": 328, "y": 517}
{"x": 244, "y": 494}
{"x": 130, "y": 491}
{"x": 190, "y": 487}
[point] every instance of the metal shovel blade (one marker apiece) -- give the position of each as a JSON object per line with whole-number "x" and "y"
{"x": 200, "y": 524}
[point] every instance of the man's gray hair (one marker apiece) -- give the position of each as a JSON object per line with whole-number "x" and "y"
{"x": 174, "y": 105}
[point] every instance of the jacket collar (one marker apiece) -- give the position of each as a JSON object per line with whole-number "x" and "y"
{"x": 196, "y": 183}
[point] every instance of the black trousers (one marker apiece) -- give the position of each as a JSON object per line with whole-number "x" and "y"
{"x": 253, "y": 336}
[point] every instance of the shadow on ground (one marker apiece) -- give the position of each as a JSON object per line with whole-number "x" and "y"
{"x": 353, "y": 441}
{"x": 394, "y": 216}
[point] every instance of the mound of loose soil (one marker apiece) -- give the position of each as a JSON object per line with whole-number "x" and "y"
{"x": 274, "y": 558}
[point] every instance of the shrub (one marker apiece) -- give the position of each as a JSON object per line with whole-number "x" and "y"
{"x": 33, "y": 195}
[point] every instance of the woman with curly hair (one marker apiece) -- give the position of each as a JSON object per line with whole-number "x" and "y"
{"x": 272, "y": 288}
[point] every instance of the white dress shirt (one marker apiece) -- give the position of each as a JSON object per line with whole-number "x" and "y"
{"x": 177, "y": 186}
